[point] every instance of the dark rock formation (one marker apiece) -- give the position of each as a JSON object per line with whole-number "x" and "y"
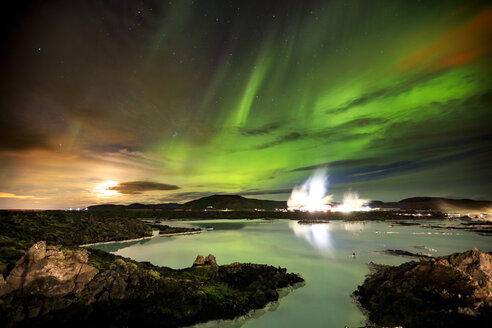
{"x": 167, "y": 230}
{"x": 50, "y": 272}
{"x": 58, "y": 287}
{"x": 200, "y": 260}
{"x": 448, "y": 291}
{"x": 313, "y": 221}
{"x": 399, "y": 252}
{"x": 209, "y": 260}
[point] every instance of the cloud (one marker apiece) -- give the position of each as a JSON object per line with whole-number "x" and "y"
{"x": 285, "y": 138}
{"x": 13, "y": 141}
{"x": 459, "y": 46}
{"x": 265, "y": 192}
{"x": 377, "y": 172}
{"x": 338, "y": 164}
{"x": 138, "y": 187}
{"x": 26, "y": 129}
{"x": 187, "y": 196}
{"x": 262, "y": 130}
{"x": 336, "y": 133}
{"x": 388, "y": 92}
{"x": 360, "y": 122}
{"x": 466, "y": 122}
{"x": 9, "y": 195}
{"x": 135, "y": 159}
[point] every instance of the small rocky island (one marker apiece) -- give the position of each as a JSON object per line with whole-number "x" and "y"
{"x": 447, "y": 291}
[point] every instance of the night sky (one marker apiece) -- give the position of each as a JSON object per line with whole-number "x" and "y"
{"x": 142, "y": 101}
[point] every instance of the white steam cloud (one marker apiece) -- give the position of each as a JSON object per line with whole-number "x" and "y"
{"x": 312, "y": 197}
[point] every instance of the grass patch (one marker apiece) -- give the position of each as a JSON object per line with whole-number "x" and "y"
{"x": 219, "y": 292}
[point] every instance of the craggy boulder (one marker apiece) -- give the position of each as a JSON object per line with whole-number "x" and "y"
{"x": 49, "y": 271}
{"x": 447, "y": 291}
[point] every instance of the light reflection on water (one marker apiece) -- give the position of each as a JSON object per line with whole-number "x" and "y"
{"x": 317, "y": 235}
{"x": 320, "y": 252}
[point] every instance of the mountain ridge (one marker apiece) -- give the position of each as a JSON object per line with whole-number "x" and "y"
{"x": 238, "y": 202}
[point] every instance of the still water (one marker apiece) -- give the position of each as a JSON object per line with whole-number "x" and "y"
{"x": 321, "y": 253}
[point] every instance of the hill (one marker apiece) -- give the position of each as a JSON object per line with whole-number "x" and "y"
{"x": 215, "y": 202}
{"x": 134, "y": 206}
{"x": 235, "y": 202}
{"x": 435, "y": 203}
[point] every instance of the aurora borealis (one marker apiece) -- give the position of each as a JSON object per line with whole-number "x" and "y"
{"x": 181, "y": 99}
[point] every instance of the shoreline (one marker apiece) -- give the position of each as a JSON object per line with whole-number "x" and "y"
{"x": 141, "y": 238}
{"x": 251, "y": 314}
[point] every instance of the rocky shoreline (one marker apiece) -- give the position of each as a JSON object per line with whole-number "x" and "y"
{"x": 117, "y": 241}
{"x": 191, "y": 231}
{"x": 447, "y": 291}
{"x": 51, "y": 285}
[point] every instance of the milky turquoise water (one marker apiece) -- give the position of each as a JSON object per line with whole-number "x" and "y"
{"x": 321, "y": 253}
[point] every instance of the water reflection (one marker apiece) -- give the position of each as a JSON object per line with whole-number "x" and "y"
{"x": 317, "y": 235}
{"x": 114, "y": 247}
{"x": 220, "y": 225}
{"x": 353, "y": 226}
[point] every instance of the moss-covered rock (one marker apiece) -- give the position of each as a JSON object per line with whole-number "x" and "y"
{"x": 448, "y": 291}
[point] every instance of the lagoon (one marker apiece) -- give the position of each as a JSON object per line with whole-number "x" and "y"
{"x": 321, "y": 253}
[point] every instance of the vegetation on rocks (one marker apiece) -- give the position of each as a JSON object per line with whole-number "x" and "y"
{"x": 69, "y": 228}
{"x": 20, "y": 230}
{"x": 447, "y": 291}
{"x": 167, "y": 230}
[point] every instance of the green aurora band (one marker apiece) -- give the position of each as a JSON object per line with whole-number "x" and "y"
{"x": 332, "y": 91}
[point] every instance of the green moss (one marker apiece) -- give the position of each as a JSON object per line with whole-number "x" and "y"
{"x": 202, "y": 272}
{"x": 69, "y": 228}
{"x": 219, "y": 292}
{"x": 11, "y": 250}
{"x": 154, "y": 274}
{"x": 100, "y": 259}
{"x": 119, "y": 262}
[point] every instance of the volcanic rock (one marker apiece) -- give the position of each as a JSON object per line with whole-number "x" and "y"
{"x": 209, "y": 260}
{"x": 448, "y": 291}
{"x": 200, "y": 260}
{"x": 50, "y": 271}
